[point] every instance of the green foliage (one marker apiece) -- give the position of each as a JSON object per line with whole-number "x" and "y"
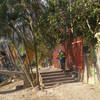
{"x": 50, "y": 23}
{"x": 3, "y": 17}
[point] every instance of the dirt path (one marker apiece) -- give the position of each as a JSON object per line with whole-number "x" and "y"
{"x": 72, "y": 91}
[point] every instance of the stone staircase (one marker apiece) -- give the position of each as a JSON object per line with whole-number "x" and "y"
{"x": 50, "y": 79}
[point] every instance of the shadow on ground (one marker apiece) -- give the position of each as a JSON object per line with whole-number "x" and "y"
{"x": 18, "y": 88}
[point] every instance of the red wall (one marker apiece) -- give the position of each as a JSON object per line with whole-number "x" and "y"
{"x": 73, "y": 51}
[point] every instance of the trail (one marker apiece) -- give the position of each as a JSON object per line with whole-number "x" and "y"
{"x": 71, "y": 91}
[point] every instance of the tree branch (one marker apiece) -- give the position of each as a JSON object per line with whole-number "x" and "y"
{"x": 90, "y": 29}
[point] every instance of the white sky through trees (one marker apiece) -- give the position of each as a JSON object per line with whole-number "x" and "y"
{"x": 44, "y": 1}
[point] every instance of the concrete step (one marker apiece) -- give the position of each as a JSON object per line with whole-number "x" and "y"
{"x": 58, "y": 79}
{"x": 57, "y": 84}
{"x": 48, "y": 87}
{"x": 52, "y": 78}
{"x": 55, "y": 76}
{"x": 55, "y": 73}
{"x": 60, "y": 82}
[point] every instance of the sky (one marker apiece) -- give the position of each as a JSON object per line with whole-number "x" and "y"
{"x": 44, "y": 1}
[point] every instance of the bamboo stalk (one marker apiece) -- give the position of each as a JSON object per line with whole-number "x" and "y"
{"x": 23, "y": 67}
{"x": 35, "y": 47}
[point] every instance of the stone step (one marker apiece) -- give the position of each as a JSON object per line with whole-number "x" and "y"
{"x": 52, "y": 78}
{"x": 60, "y": 82}
{"x": 58, "y": 79}
{"x": 55, "y": 73}
{"x": 55, "y": 76}
{"x": 51, "y": 72}
{"x": 57, "y": 84}
{"x": 48, "y": 87}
